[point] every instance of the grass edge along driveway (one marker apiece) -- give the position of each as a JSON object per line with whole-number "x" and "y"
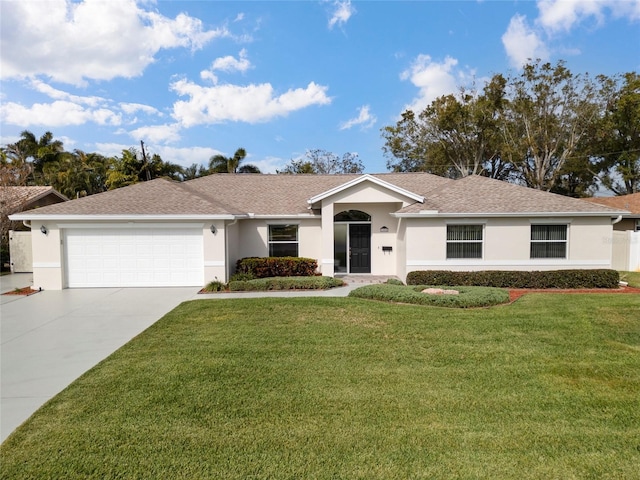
{"x": 345, "y": 388}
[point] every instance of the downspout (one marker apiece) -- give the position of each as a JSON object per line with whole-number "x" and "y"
{"x": 24, "y": 222}
{"x": 616, "y": 220}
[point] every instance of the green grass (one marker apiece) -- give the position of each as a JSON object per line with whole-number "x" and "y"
{"x": 328, "y": 388}
{"x": 633, "y": 278}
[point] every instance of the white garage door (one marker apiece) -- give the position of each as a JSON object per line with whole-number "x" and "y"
{"x": 149, "y": 257}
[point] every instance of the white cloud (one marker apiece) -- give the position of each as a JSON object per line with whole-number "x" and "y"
{"x": 184, "y": 156}
{"x": 56, "y": 94}
{"x": 231, "y": 64}
{"x": 251, "y": 104}
{"x": 522, "y": 43}
{"x": 157, "y": 133}
{"x": 433, "y": 79}
{"x": 563, "y": 15}
{"x": 71, "y": 42}
{"x": 556, "y": 19}
{"x": 227, "y": 64}
{"x": 132, "y": 108}
{"x": 342, "y": 12}
{"x": 364, "y": 118}
{"x": 58, "y": 113}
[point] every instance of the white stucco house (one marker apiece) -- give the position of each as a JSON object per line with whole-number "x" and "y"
{"x": 165, "y": 233}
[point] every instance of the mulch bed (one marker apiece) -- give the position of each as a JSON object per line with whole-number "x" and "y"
{"x": 22, "y": 291}
{"x": 516, "y": 293}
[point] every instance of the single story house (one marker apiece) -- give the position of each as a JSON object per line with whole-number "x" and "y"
{"x": 16, "y": 238}
{"x": 166, "y": 233}
{"x": 626, "y": 235}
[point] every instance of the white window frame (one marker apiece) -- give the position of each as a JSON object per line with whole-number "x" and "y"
{"x": 295, "y": 242}
{"x": 547, "y": 241}
{"x": 638, "y": 225}
{"x": 481, "y": 241}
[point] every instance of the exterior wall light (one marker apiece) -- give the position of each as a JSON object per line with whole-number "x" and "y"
{"x": 213, "y": 229}
{"x": 44, "y": 230}
{"x": 384, "y": 229}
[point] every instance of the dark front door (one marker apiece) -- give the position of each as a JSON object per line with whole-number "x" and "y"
{"x": 360, "y": 248}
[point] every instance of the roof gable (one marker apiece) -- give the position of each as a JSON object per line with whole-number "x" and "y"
{"x": 19, "y": 198}
{"x": 362, "y": 179}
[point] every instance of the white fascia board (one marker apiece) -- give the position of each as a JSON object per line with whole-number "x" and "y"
{"x": 284, "y": 216}
{"x": 364, "y": 178}
{"x": 435, "y": 214}
{"x": 129, "y": 217}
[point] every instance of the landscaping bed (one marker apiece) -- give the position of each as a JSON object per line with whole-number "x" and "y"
{"x": 464, "y": 296}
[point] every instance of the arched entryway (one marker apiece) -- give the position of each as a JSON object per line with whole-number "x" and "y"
{"x": 352, "y": 242}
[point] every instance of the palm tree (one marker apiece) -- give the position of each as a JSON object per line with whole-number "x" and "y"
{"x": 222, "y": 164}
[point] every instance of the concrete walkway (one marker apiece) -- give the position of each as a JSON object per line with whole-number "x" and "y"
{"x": 50, "y": 338}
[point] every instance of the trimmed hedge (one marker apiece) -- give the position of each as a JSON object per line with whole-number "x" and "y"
{"x": 468, "y": 297}
{"x": 567, "y": 279}
{"x": 264, "y": 267}
{"x": 285, "y": 283}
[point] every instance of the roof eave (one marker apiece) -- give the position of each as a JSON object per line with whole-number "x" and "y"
{"x": 121, "y": 217}
{"x": 436, "y": 214}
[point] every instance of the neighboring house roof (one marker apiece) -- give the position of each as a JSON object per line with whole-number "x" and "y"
{"x": 16, "y": 199}
{"x": 629, "y": 202}
{"x": 233, "y": 195}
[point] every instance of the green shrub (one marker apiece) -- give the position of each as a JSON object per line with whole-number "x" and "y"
{"x": 468, "y": 296}
{"x": 264, "y": 267}
{"x": 285, "y": 283}
{"x": 567, "y": 279}
{"x": 214, "y": 286}
{"x": 394, "y": 281}
{"x": 241, "y": 277}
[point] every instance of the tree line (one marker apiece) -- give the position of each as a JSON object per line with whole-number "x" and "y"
{"x": 545, "y": 127}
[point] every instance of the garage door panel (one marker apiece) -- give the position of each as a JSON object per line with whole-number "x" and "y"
{"x": 134, "y": 257}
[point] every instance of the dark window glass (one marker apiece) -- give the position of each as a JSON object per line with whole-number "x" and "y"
{"x": 548, "y": 241}
{"x": 283, "y": 240}
{"x": 464, "y": 241}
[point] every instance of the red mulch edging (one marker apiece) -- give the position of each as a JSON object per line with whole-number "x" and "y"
{"x": 22, "y": 291}
{"x": 516, "y": 293}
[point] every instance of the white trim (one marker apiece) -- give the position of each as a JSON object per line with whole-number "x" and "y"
{"x": 507, "y": 263}
{"x": 466, "y": 221}
{"x": 46, "y": 265}
{"x": 363, "y": 178}
{"x": 110, "y": 225}
{"x": 551, "y": 221}
{"x": 435, "y": 214}
{"x": 284, "y": 217}
{"x": 31, "y": 215}
{"x": 214, "y": 263}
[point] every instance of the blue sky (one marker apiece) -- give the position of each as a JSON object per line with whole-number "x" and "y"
{"x": 196, "y": 78}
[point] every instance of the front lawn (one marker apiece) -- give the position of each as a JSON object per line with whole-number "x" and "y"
{"x": 633, "y": 278}
{"x": 547, "y": 387}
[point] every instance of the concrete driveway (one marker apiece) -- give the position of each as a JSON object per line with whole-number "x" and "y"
{"x": 50, "y": 338}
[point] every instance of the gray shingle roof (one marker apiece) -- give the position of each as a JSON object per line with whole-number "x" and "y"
{"x": 482, "y": 195}
{"x": 240, "y": 194}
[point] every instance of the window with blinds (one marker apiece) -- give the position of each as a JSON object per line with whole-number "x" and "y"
{"x": 548, "y": 241}
{"x": 464, "y": 241}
